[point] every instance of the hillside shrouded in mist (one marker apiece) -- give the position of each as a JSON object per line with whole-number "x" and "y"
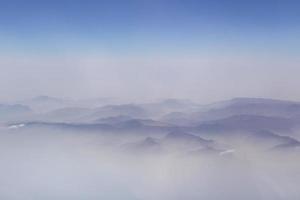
{"x": 243, "y": 148}
{"x": 149, "y": 100}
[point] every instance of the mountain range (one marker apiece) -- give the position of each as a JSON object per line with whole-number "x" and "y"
{"x": 265, "y": 120}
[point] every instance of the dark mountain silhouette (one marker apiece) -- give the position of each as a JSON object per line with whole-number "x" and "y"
{"x": 269, "y": 140}
{"x": 248, "y": 123}
{"x": 130, "y": 110}
{"x": 147, "y": 145}
{"x": 238, "y": 106}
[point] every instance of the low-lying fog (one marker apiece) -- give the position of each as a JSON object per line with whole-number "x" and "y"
{"x": 57, "y": 164}
{"x": 240, "y": 149}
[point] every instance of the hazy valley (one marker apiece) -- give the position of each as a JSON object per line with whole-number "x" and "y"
{"x": 244, "y": 148}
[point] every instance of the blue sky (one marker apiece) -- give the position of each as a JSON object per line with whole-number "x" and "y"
{"x": 141, "y": 25}
{"x": 241, "y": 30}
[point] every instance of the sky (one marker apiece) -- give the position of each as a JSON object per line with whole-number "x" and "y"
{"x": 204, "y": 50}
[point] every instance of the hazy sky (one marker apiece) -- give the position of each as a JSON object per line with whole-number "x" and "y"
{"x": 144, "y": 49}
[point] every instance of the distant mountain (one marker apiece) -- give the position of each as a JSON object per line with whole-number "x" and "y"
{"x": 15, "y": 108}
{"x": 235, "y": 107}
{"x": 14, "y": 112}
{"x": 241, "y": 123}
{"x": 147, "y": 145}
{"x": 164, "y": 107}
{"x": 123, "y": 126}
{"x": 66, "y": 114}
{"x": 96, "y": 102}
{"x": 175, "y": 141}
{"x": 126, "y": 122}
{"x": 182, "y": 136}
{"x": 288, "y": 146}
{"x": 270, "y": 141}
{"x": 42, "y": 104}
{"x": 130, "y": 110}
{"x": 62, "y": 126}
{"x": 248, "y": 123}
{"x": 182, "y": 141}
{"x": 256, "y": 106}
{"x": 113, "y": 120}
{"x": 43, "y": 99}
{"x": 142, "y": 123}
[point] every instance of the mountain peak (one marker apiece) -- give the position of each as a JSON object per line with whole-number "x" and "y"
{"x": 42, "y": 98}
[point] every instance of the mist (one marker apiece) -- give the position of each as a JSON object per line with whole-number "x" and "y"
{"x": 149, "y": 100}
{"x": 139, "y": 78}
{"x": 52, "y": 164}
